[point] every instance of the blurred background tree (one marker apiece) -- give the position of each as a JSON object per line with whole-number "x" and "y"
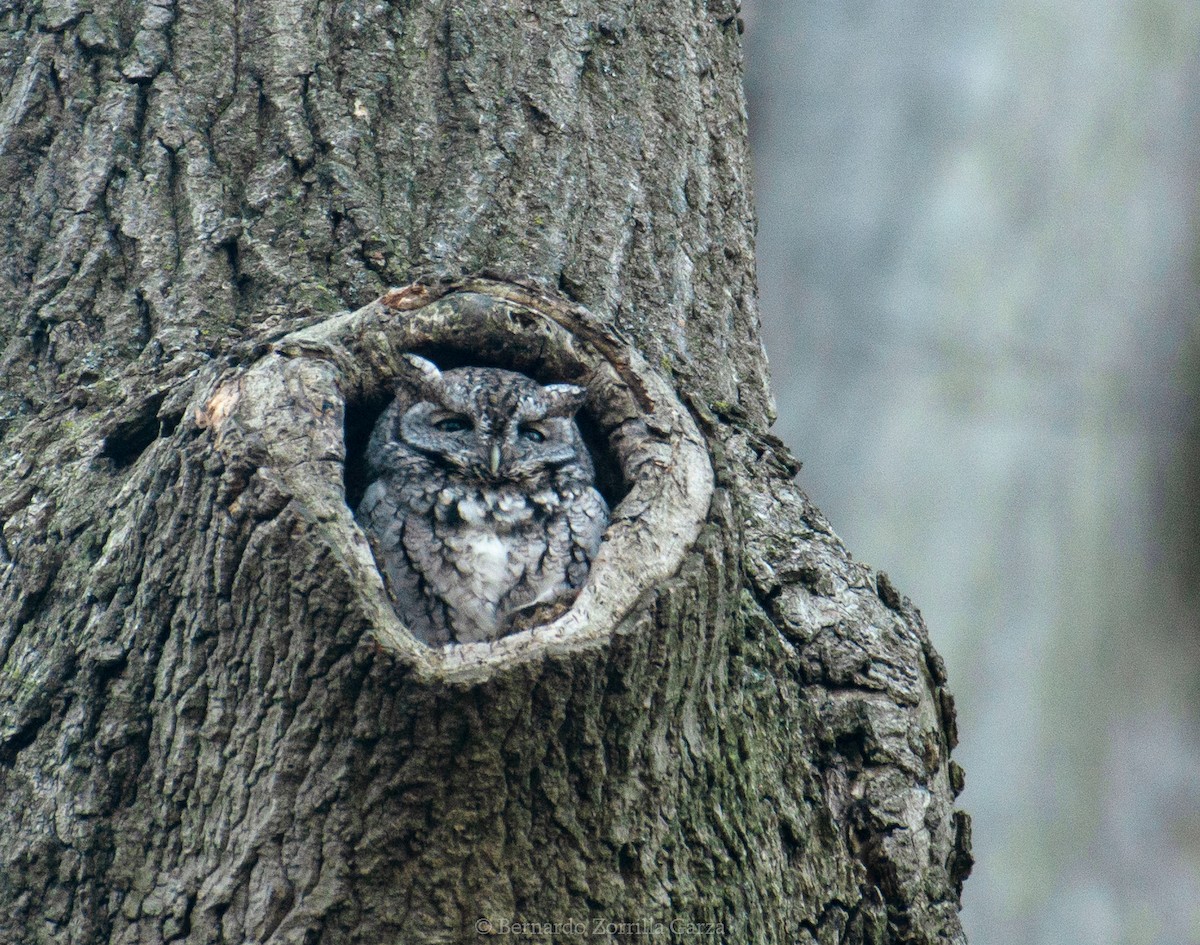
{"x": 977, "y": 257}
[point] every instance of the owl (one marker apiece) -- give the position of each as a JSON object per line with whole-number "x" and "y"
{"x": 482, "y": 509}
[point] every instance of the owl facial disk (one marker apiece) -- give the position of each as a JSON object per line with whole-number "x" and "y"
{"x": 537, "y": 446}
{"x": 523, "y": 437}
{"x": 445, "y": 435}
{"x": 452, "y": 425}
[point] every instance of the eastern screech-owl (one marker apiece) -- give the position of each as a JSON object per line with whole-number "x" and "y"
{"x": 482, "y": 509}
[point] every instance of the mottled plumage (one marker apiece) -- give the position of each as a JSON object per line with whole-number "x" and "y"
{"x": 482, "y": 510}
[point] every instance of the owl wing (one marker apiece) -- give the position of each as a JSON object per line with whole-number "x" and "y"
{"x": 587, "y": 518}
{"x": 564, "y": 556}
{"x": 394, "y": 528}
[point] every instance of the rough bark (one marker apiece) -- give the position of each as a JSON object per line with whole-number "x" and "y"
{"x": 210, "y": 728}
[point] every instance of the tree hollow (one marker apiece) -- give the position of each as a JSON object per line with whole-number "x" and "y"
{"x": 308, "y": 399}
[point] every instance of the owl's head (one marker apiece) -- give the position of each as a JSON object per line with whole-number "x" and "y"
{"x": 494, "y": 425}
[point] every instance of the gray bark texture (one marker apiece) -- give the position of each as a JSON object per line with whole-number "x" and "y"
{"x": 212, "y": 727}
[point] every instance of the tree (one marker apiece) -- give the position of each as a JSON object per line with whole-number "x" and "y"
{"x": 212, "y": 729}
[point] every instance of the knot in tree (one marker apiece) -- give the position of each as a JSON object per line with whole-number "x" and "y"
{"x": 437, "y": 522}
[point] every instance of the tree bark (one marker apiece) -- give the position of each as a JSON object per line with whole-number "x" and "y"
{"x": 211, "y": 728}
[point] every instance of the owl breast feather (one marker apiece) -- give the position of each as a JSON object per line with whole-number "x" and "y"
{"x": 497, "y": 549}
{"x": 462, "y": 558}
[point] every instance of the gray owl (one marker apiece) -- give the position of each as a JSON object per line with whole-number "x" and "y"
{"x": 482, "y": 509}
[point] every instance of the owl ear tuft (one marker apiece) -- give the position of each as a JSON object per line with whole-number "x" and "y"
{"x": 428, "y": 377}
{"x": 562, "y": 400}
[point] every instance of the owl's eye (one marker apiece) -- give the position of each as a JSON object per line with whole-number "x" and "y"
{"x": 532, "y": 435}
{"x": 453, "y": 425}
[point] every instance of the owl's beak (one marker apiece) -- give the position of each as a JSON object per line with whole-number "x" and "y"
{"x": 494, "y": 459}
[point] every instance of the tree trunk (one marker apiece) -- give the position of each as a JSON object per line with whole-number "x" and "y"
{"x": 213, "y": 728}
